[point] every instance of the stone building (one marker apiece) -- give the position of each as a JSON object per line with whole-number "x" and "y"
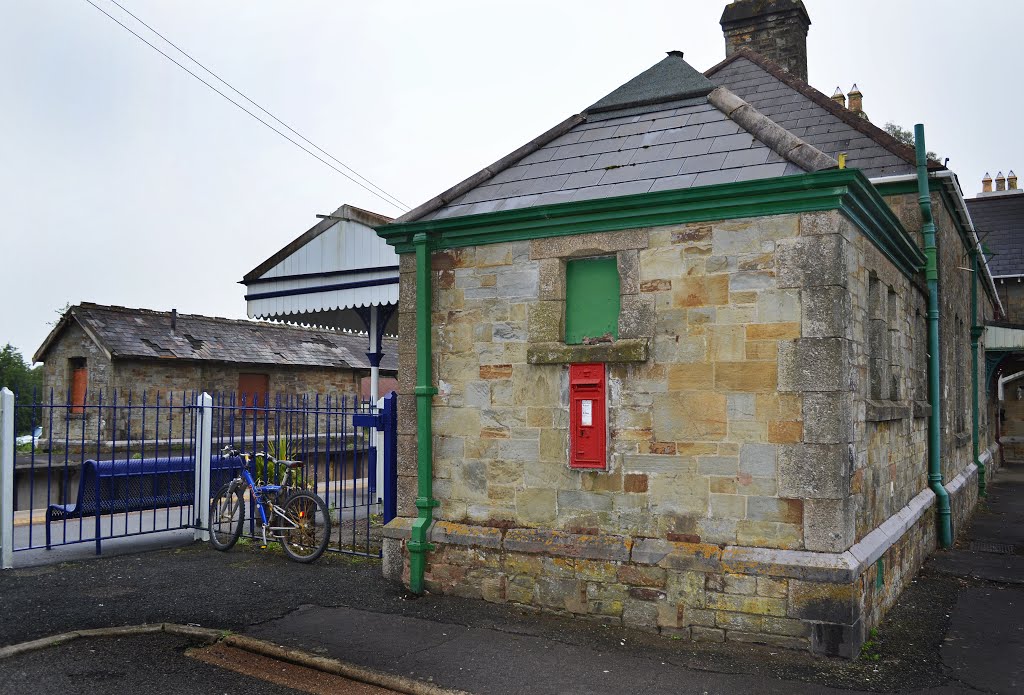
{"x": 96, "y": 349}
{"x": 999, "y": 218}
{"x": 667, "y": 364}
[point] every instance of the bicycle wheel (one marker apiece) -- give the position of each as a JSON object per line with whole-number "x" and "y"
{"x": 309, "y": 539}
{"x": 227, "y": 512}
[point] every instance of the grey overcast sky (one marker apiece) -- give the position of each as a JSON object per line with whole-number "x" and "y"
{"x": 125, "y": 181}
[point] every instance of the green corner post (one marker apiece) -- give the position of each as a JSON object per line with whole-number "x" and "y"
{"x": 418, "y": 545}
{"x": 976, "y": 333}
{"x": 932, "y": 276}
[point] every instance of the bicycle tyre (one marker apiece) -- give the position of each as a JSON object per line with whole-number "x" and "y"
{"x": 309, "y": 541}
{"x": 225, "y": 530}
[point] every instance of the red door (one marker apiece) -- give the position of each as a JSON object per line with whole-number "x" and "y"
{"x": 252, "y": 389}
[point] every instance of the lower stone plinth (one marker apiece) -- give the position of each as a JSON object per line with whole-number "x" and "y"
{"x": 821, "y": 602}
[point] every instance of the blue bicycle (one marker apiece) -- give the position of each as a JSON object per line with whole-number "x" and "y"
{"x": 298, "y": 518}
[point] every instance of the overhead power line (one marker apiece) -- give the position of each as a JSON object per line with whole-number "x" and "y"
{"x": 278, "y": 120}
{"x": 355, "y": 177}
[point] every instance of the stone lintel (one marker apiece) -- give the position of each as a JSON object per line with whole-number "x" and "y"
{"x": 626, "y": 350}
{"x": 881, "y": 411}
{"x": 593, "y": 244}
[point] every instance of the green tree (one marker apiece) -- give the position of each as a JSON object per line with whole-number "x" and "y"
{"x": 18, "y": 375}
{"x": 906, "y": 137}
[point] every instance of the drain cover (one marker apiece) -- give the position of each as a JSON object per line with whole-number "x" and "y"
{"x": 987, "y": 547}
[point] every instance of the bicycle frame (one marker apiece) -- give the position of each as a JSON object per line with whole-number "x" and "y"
{"x": 260, "y": 501}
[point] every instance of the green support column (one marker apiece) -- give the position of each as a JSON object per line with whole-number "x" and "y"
{"x": 924, "y": 200}
{"x": 425, "y": 502}
{"x": 976, "y": 332}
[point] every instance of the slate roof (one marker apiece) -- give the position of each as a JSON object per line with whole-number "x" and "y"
{"x": 812, "y": 116}
{"x": 631, "y": 146}
{"x": 659, "y": 132}
{"x": 999, "y": 221}
{"x": 144, "y": 334}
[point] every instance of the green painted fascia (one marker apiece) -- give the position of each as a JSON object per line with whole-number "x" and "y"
{"x": 867, "y": 209}
{"x": 847, "y": 190}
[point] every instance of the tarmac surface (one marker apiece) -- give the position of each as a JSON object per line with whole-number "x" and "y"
{"x": 956, "y": 629}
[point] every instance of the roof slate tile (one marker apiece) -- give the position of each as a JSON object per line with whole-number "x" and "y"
{"x": 145, "y": 334}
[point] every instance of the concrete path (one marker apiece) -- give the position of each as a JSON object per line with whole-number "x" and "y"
{"x": 984, "y": 647}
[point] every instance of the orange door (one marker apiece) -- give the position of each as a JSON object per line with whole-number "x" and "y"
{"x": 79, "y": 383}
{"x": 252, "y": 386}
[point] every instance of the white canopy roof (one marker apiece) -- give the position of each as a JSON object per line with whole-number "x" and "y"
{"x": 326, "y": 275}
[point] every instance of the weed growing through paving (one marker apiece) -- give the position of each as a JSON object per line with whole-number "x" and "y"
{"x": 871, "y": 649}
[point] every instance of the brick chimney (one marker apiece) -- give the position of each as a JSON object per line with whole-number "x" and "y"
{"x": 1011, "y": 181}
{"x": 986, "y": 184}
{"x": 777, "y": 29}
{"x": 1000, "y": 182}
{"x": 839, "y": 97}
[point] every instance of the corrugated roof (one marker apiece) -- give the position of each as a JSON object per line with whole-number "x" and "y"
{"x": 144, "y": 334}
{"x": 999, "y": 222}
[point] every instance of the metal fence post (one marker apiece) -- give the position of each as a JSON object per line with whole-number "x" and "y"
{"x": 378, "y": 442}
{"x": 389, "y": 490}
{"x": 204, "y": 444}
{"x": 6, "y": 478}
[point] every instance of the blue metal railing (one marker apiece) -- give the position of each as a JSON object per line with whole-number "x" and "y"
{"x": 120, "y": 465}
{"x": 322, "y": 432}
{"x": 59, "y": 496}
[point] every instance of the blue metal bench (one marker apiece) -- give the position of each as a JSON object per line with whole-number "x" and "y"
{"x": 112, "y": 487}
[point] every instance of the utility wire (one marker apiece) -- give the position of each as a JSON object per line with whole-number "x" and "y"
{"x": 278, "y": 120}
{"x": 250, "y": 113}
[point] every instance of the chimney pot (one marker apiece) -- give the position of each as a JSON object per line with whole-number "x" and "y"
{"x": 1000, "y": 182}
{"x": 986, "y": 184}
{"x": 839, "y": 97}
{"x": 174, "y": 320}
{"x": 1011, "y": 181}
{"x": 777, "y": 29}
{"x": 857, "y": 101}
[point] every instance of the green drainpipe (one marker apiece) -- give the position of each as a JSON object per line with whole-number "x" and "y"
{"x": 425, "y": 502}
{"x": 976, "y": 332}
{"x": 932, "y": 275}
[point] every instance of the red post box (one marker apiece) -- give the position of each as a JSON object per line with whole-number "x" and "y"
{"x": 588, "y": 430}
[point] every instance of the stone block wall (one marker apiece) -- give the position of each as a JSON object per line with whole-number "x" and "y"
{"x": 700, "y": 433}
{"x": 73, "y": 344}
{"x": 767, "y": 431}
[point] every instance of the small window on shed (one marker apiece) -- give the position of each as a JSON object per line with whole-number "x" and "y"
{"x": 79, "y": 380}
{"x": 591, "y": 299}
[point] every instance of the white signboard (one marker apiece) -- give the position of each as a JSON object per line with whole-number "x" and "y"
{"x": 587, "y": 414}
